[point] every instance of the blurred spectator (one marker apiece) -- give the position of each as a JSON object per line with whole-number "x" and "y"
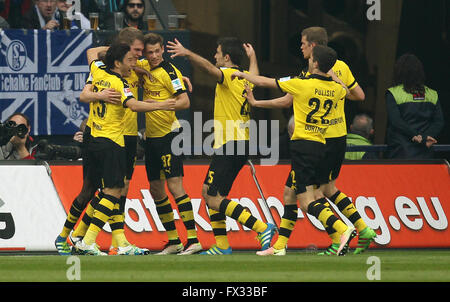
{"x": 79, "y": 22}
{"x": 360, "y": 133}
{"x": 133, "y": 11}
{"x": 43, "y": 16}
{"x": 19, "y": 147}
{"x": 414, "y": 112}
{"x": 134, "y": 14}
{"x": 13, "y": 11}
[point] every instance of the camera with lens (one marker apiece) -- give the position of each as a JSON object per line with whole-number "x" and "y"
{"x": 10, "y": 129}
{"x": 47, "y": 151}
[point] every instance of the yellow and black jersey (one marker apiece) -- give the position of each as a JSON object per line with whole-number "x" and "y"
{"x": 93, "y": 67}
{"x": 166, "y": 82}
{"x": 130, "y": 118}
{"x": 315, "y": 100}
{"x": 338, "y": 126}
{"x": 106, "y": 118}
{"x": 231, "y": 109}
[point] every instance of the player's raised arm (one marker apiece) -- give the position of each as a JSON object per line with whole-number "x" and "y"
{"x": 253, "y": 67}
{"x": 281, "y": 102}
{"x": 93, "y": 53}
{"x": 255, "y": 79}
{"x": 176, "y": 49}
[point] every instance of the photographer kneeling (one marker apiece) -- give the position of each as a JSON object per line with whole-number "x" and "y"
{"x": 16, "y": 143}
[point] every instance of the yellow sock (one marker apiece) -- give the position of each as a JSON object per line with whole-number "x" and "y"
{"x": 71, "y": 220}
{"x": 218, "y": 224}
{"x": 165, "y": 213}
{"x": 82, "y": 227}
{"x": 287, "y": 224}
{"x": 326, "y": 216}
{"x": 187, "y": 215}
{"x": 116, "y": 221}
{"x": 101, "y": 215}
{"x": 236, "y": 211}
{"x": 119, "y": 239}
{"x": 349, "y": 210}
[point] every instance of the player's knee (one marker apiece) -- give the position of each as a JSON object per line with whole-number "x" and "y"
{"x": 157, "y": 191}
{"x": 213, "y": 202}
{"x": 289, "y": 196}
{"x": 175, "y": 187}
{"x": 205, "y": 192}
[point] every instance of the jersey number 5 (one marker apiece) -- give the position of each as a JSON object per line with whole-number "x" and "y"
{"x": 101, "y": 106}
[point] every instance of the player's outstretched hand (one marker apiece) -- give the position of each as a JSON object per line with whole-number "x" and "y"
{"x": 238, "y": 74}
{"x": 110, "y": 95}
{"x": 176, "y": 49}
{"x": 188, "y": 83}
{"x": 249, "y": 95}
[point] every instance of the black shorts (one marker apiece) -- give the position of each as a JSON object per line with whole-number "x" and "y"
{"x": 306, "y": 157}
{"x": 160, "y": 162}
{"x": 130, "y": 154}
{"x": 106, "y": 162}
{"x": 224, "y": 168}
{"x": 330, "y": 166}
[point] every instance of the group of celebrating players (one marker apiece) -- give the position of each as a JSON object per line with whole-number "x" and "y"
{"x": 317, "y": 144}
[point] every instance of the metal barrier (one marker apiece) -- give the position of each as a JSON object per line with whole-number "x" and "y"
{"x": 382, "y": 148}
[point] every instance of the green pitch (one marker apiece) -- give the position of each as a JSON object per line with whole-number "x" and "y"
{"x": 296, "y": 266}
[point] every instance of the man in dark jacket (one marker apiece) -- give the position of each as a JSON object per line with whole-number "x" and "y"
{"x": 43, "y": 15}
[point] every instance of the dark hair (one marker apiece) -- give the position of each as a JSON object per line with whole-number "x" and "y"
{"x": 316, "y": 35}
{"x": 408, "y": 71}
{"x": 152, "y": 39}
{"x": 116, "y": 52}
{"x": 233, "y": 47}
{"x": 125, "y": 3}
{"x": 25, "y": 117}
{"x": 325, "y": 56}
{"x": 129, "y": 34}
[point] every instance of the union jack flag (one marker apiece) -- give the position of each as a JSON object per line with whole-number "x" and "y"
{"x": 42, "y": 74}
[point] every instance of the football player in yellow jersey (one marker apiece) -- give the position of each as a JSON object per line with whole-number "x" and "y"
{"x": 106, "y": 147}
{"x": 163, "y": 166}
{"x": 231, "y": 112}
{"x": 134, "y": 38}
{"x": 314, "y": 100}
{"x": 336, "y": 146}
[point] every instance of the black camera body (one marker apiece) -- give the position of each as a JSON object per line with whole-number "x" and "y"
{"x": 47, "y": 151}
{"x": 10, "y": 129}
